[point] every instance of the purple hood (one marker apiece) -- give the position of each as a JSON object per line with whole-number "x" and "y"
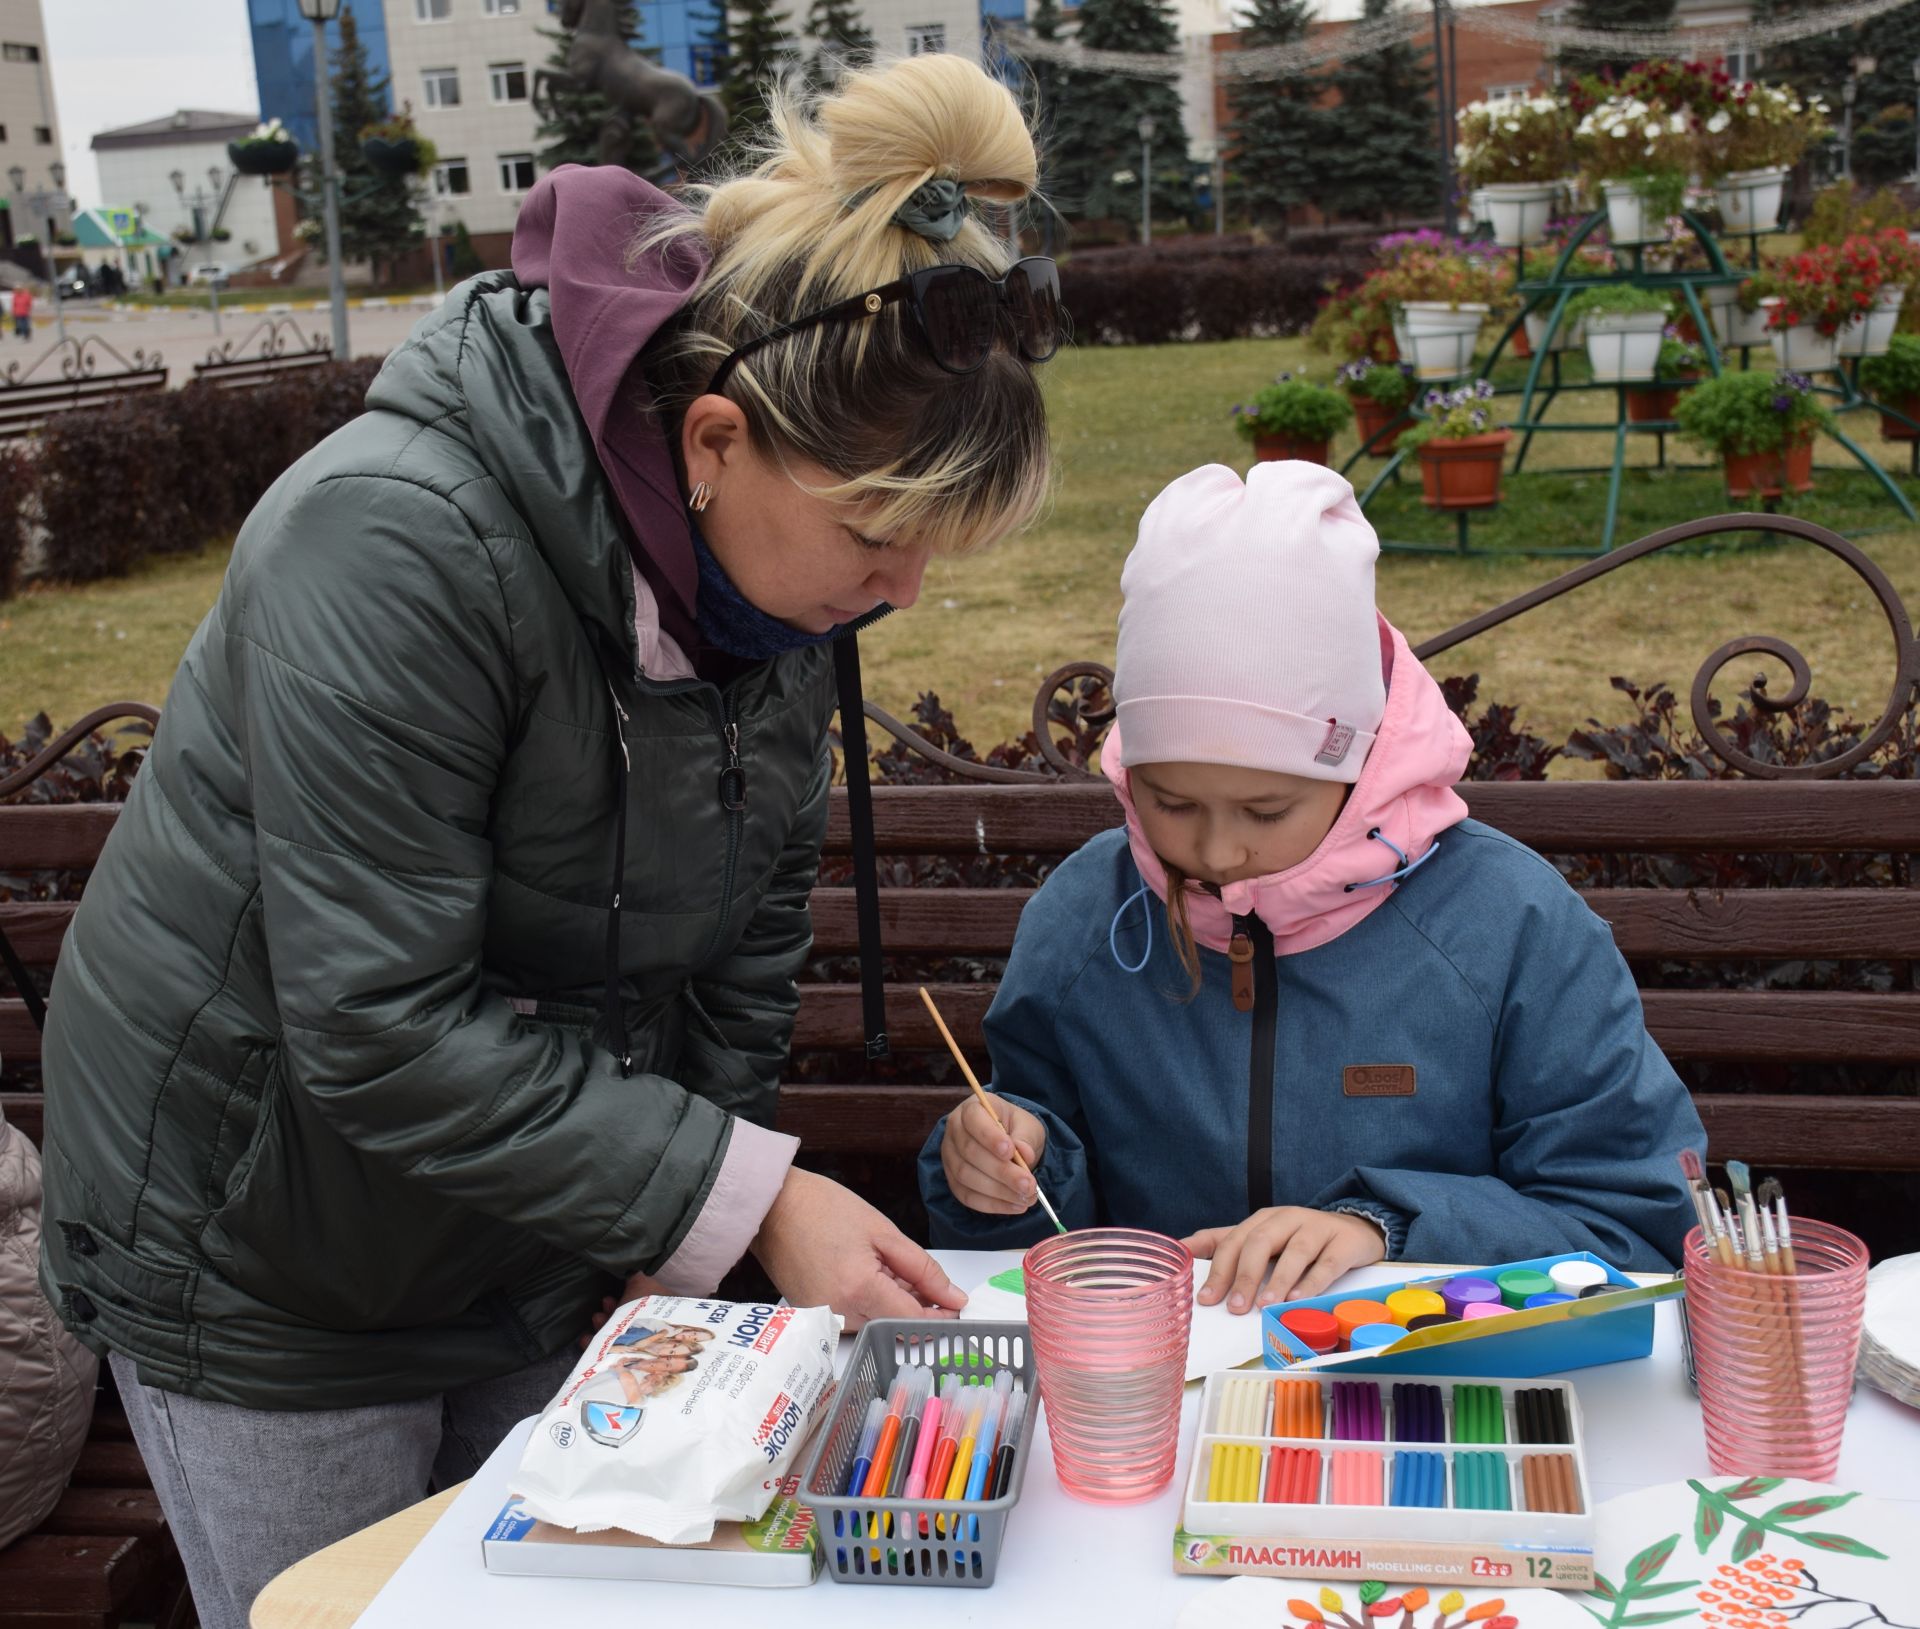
{"x": 572, "y": 239}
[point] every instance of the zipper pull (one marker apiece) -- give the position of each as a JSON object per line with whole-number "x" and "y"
{"x": 1240, "y": 953}
{"x": 733, "y": 778}
{"x": 620, "y": 733}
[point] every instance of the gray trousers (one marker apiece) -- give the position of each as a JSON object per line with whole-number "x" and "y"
{"x": 248, "y": 1492}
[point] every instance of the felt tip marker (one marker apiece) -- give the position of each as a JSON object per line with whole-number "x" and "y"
{"x": 889, "y": 1437}
{"x": 1009, "y": 1438}
{"x": 923, "y": 1449}
{"x": 909, "y": 1434}
{"x": 863, "y": 1453}
{"x": 983, "y": 1448}
{"x": 963, "y": 1457}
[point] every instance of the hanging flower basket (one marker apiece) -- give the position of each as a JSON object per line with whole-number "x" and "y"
{"x": 1293, "y": 418}
{"x": 264, "y": 155}
{"x": 1270, "y": 449}
{"x": 1750, "y": 200}
{"x": 1463, "y": 472}
{"x": 1803, "y": 348}
{"x": 1624, "y": 345}
{"x": 1771, "y": 474}
{"x": 1630, "y": 219}
{"x": 1441, "y": 337}
{"x": 1870, "y": 333}
{"x": 1894, "y": 429}
{"x": 1654, "y": 405}
{"x": 1370, "y": 419}
{"x": 392, "y": 156}
{"x": 1569, "y": 336}
{"x": 1520, "y": 210}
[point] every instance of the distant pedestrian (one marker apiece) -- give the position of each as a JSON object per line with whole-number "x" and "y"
{"x": 23, "y": 313}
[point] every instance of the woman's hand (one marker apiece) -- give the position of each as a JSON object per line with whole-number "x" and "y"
{"x": 1307, "y": 1250}
{"x": 823, "y": 1245}
{"x": 977, "y": 1156}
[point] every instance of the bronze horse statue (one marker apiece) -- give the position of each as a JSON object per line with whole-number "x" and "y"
{"x": 686, "y": 124}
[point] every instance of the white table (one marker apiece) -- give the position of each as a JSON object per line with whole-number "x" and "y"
{"x": 1068, "y": 1563}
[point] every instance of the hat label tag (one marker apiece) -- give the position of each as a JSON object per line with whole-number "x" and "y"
{"x": 1333, "y": 750}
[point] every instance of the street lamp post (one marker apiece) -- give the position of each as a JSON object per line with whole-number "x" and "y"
{"x": 1916, "y": 118}
{"x": 1849, "y": 93}
{"x": 202, "y": 231}
{"x": 1145, "y": 128}
{"x": 320, "y": 13}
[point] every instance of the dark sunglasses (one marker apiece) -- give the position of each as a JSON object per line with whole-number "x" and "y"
{"x": 958, "y": 310}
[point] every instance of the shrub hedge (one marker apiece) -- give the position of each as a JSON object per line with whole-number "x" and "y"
{"x": 1208, "y": 289}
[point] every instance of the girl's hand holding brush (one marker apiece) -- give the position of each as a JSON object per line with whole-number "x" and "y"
{"x": 978, "y": 1157}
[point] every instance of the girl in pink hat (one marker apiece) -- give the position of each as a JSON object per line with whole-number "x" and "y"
{"x": 1302, "y": 1012}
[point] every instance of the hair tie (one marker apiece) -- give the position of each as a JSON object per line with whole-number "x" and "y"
{"x": 937, "y": 210}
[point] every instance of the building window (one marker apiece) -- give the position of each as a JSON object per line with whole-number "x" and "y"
{"x": 923, "y": 39}
{"x": 20, "y": 53}
{"x": 500, "y": 8}
{"x": 450, "y": 178}
{"x": 1508, "y": 93}
{"x": 432, "y": 11}
{"x": 1743, "y": 62}
{"x": 709, "y": 63}
{"x": 440, "y": 86}
{"x": 509, "y": 80}
{"x": 42, "y": 136}
{"x": 516, "y": 172}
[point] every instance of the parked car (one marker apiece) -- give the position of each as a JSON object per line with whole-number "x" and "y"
{"x": 74, "y": 284}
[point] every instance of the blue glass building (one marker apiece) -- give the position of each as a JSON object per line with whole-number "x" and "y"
{"x": 283, "y": 58}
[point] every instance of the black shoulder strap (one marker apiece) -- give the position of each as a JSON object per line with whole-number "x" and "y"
{"x": 866, "y": 874}
{"x": 36, "y": 1008}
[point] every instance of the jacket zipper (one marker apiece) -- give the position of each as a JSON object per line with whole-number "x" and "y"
{"x": 1255, "y": 972}
{"x": 733, "y": 800}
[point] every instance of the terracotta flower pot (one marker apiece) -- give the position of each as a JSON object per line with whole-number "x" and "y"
{"x": 1463, "y": 472}
{"x": 1893, "y": 429}
{"x": 1370, "y": 418}
{"x": 1269, "y": 448}
{"x": 1522, "y": 345}
{"x": 1771, "y": 474}
{"x": 1652, "y": 403}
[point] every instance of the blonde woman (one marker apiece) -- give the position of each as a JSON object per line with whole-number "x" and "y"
{"x": 440, "y": 971}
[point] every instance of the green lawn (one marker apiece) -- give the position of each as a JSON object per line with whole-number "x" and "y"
{"x": 1126, "y": 421}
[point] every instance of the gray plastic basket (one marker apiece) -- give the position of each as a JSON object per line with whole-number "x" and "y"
{"x": 951, "y": 1543}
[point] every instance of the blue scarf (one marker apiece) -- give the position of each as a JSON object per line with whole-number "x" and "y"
{"x": 730, "y": 622}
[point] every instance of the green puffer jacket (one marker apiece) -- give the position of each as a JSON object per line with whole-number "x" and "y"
{"x": 307, "y": 1145}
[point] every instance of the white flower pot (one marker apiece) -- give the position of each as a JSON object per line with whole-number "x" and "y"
{"x": 1477, "y": 205}
{"x": 1870, "y": 333}
{"x": 1804, "y": 348}
{"x": 1571, "y": 332}
{"x": 1442, "y": 337}
{"x": 1750, "y": 200}
{"x": 1628, "y": 220}
{"x": 1733, "y": 327}
{"x": 1625, "y": 345}
{"x": 1403, "y": 341}
{"x": 1520, "y": 210}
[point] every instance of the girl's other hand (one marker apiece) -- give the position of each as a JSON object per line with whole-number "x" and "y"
{"x": 1307, "y": 1250}
{"x": 977, "y": 1156}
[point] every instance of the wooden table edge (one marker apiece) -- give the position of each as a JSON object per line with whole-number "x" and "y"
{"x": 332, "y": 1587}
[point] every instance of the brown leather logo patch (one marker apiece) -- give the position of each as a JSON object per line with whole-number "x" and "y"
{"x": 1378, "y": 1080}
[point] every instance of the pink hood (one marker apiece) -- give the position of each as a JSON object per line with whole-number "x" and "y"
{"x": 1405, "y": 792}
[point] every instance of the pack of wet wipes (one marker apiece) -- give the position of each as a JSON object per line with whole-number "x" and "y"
{"x": 680, "y": 1414}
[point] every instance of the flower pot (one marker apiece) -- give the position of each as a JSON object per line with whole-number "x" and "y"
{"x": 1771, "y": 474}
{"x": 1477, "y": 206}
{"x": 1441, "y": 337}
{"x": 1735, "y": 328}
{"x": 391, "y": 158}
{"x": 1522, "y": 345}
{"x": 263, "y": 157}
{"x": 1402, "y": 341}
{"x": 1654, "y": 406}
{"x": 1370, "y": 418}
{"x": 1520, "y": 210}
{"x": 1870, "y": 333}
{"x": 1463, "y": 472}
{"x": 1628, "y": 219}
{"x": 1804, "y": 348}
{"x": 1269, "y": 449}
{"x": 1568, "y": 337}
{"x": 1625, "y": 344}
{"x": 1893, "y": 429}
{"x": 1749, "y": 200}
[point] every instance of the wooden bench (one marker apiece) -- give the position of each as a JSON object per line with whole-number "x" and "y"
{"x": 866, "y": 1121}
{"x": 271, "y": 350}
{"x": 69, "y": 377}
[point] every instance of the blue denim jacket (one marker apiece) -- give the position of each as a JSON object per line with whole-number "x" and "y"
{"x": 1468, "y": 1065}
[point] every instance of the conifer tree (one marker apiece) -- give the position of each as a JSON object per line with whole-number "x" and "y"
{"x": 572, "y": 118}
{"x": 1382, "y": 155}
{"x": 463, "y": 259}
{"x": 379, "y": 216}
{"x": 760, "y": 52}
{"x": 1883, "y": 109}
{"x": 1278, "y": 126}
{"x": 1638, "y": 15}
{"x": 1097, "y": 151}
{"x": 841, "y": 39}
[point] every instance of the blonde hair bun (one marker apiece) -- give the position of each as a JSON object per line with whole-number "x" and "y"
{"x": 894, "y": 127}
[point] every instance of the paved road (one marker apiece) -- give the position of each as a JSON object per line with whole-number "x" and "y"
{"x": 185, "y": 337}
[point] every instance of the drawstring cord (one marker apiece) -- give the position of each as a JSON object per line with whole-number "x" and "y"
{"x": 1404, "y": 870}
{"x": 1113, "y": 930}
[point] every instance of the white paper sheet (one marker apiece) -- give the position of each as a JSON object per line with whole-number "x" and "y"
{"x": 1218, "y": 1339}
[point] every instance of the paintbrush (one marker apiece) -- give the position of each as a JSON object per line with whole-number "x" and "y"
{"x": 986, "y": 1103}
{"x": 1712, "y": 1236}
{"x": 1742, "y": 1181}
{"x": 1773, "y": 1197}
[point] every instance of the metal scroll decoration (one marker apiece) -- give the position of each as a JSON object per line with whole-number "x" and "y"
{"x": 268, "y": 341}
{"x": 71, "y": 737}
{"x": 72, "y": 361}
{"x": 1079, "y": 695}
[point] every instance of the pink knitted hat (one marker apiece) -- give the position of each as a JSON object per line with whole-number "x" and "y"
{"x": 1247, "y": 629}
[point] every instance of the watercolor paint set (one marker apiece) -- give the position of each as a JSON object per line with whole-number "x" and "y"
{"x": 1512, "y": 1321}
{"x": 1305, "y": 1475}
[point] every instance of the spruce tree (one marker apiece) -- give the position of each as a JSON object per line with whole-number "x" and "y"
{"x": 1819, "y": 64}
{"x": 463, "y": 259}
{"x": 760, "y": 52}
{"x": 572, "y": 118}
{"x": 1278, "y": 126}
{"x": 379, "y": 215}
{"x": 1095, "y": 173}
{"x": 1381, "y": 155}
{"x": 1047, "y": 87}
{"x": 841, "y": 41}
{"x": 1615, "y": 14}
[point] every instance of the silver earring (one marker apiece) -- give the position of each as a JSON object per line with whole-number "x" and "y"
{"x": 701, "y": 496}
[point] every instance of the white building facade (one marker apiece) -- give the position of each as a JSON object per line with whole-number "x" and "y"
{"x": 175, "y": 171}
{"x": 34, "y": 179}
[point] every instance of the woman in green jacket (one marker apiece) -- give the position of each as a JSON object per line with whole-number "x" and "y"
{"x": 439, "y": 972}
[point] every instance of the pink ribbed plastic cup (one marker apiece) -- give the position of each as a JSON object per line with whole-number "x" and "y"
{"x": 1109, "y": 1309}
{"x": 1775, "y": 1355}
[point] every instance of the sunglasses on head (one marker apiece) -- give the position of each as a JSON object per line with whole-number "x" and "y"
{"x": 958, "y": 310}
